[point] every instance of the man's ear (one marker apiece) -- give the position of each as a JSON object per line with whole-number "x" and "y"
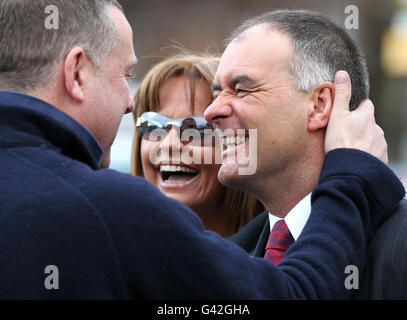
{"x": 76, "y": 70}
{"x": 320, "y": 106}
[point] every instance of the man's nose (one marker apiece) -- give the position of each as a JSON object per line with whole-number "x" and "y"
{"x": 131, "y": 105}
{"x": 219, "y": 109}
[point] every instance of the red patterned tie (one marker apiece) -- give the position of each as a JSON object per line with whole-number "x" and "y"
{"x": 279, "y": 240}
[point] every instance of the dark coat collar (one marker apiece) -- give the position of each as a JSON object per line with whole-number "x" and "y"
{"x": 28, "y": 121}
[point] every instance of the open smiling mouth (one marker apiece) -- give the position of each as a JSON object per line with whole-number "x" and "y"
{"x": 177, "y": 175}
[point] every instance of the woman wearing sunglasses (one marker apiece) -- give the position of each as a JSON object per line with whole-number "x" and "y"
{"x": 177, "y": 150}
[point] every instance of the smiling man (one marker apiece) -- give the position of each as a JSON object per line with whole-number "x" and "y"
{"x": 266, "y": 81}
{"x": 277, "y": 76}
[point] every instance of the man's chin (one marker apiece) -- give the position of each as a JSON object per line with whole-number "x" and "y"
{"x": 228, "y": 175}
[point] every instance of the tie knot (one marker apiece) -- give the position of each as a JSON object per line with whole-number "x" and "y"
{"x": 279, "y": 241}
{"x": 281, "y": 226}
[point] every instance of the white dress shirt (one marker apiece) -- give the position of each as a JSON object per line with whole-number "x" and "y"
{"x": 296, "y": 218}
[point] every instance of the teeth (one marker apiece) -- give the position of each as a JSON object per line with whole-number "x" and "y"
{"x": 172, "y": 168}
{"x": 229, "y": 141}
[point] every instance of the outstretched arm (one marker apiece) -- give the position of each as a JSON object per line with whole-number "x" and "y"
{"x": 172, "y": 257}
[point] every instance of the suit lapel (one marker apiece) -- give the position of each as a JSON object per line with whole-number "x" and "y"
{"x": 262, "y": 240}
{"x": 253, "y": 237}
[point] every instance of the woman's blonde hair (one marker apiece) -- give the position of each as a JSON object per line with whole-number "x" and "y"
{"x": 238, "y": 207}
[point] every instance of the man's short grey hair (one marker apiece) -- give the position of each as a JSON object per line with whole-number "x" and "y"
{"x": 321, "y": 49}
{"x": 30, "y": 53}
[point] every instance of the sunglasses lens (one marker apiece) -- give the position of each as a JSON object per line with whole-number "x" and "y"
{"x": 188, "y": 123}
{"x": 150, "y": 125}
{"x": 197, "y": 123}
{"x": 145, "y": 130}
{"x": 157, "y": 134}
{"x": 194, "y": 130}
{"x": 197, "y": 131}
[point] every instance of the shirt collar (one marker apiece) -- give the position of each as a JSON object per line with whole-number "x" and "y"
{"x": 26, "y": 120}
{"x": 296, "y": 218}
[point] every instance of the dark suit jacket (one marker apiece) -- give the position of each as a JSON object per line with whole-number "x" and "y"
{"x": 253, "y": 237}
{"x": 385, "y": 274}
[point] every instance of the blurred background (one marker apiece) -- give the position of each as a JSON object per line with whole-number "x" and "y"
{"x": 379, "y": 26}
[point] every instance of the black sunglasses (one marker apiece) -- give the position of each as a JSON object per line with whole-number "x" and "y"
{"x": 152, "y": 125}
